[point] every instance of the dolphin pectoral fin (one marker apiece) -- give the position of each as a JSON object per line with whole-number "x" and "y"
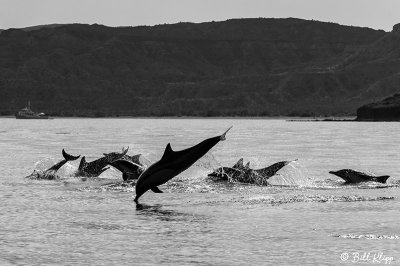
{"x": 223, "y": 136}
{"x": 382, "y": 179}
{"x": 156, "y": 190}
{"x": 138, "y": 205}
{"x": 104, "y": 169}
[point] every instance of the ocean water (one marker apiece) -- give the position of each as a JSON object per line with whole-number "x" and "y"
{"x": 306, "y": 217}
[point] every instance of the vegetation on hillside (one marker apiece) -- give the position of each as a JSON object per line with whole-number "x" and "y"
{"x": 239, "y": 67}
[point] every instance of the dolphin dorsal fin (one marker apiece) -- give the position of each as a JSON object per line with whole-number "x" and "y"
{"x": 239, "y": 163}
{"x": 167, "y": 152}
{"x": 83, "y": 163}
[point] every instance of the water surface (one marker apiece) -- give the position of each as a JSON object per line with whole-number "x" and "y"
{"x": 315, "y": 220}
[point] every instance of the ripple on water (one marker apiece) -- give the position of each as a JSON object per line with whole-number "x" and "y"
{"x": 369, "y": 236}
{"x": 310, "y": 198}
{"x": 95, "y": 226}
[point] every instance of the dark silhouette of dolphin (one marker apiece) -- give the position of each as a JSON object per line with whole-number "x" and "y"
{"x": 51, "y": 172}
{"x": 171, "y": 164}
{"x": 96, "y": 167}
{"x": 129, "y": 169}
{"x": 225, "y": 172}
{"x": 271, "y": 170}
{"x": 244, "y": 174}
{"x": 352, "y": 176}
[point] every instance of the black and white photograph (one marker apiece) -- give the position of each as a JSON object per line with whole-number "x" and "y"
{"x": 188, "y": 132}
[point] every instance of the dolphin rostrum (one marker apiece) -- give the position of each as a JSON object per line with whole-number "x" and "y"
{"x": 51, "y": 172}
{"x": 171, "y": 164}
{"x": 352, "y": 176}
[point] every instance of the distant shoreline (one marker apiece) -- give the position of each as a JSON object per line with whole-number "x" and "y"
{"x": 287, "y": 118}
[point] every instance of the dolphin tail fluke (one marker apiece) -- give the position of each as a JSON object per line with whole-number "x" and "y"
{"x": 69, "y": 157}
{"x": 223, "y": 136}
{"x": 382, "y": 179}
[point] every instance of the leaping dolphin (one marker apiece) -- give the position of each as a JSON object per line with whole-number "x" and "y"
{"x": 171, "y": 164}
{"x": 96, "y": 167}
{"x": 51, "y": 172}
{"x": 352, "y": 176}
{"x": 130, "y": 170}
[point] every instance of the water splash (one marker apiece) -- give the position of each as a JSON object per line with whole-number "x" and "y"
{"x": 44, "y": 164}
{"x": 369, "y": 236}
{"x": 145, "y": 161}
{"x": 208, "y": 161}
{"x": 67, "y": 170}
{"x": 293, "y": 174}
{"x": 340, "y": 184}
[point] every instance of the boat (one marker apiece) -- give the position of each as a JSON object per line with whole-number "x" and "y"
{"x": 27, "y": 113}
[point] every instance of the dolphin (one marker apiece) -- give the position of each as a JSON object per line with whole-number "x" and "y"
{"x": 245, "y": 174}
{"x": 271, "y": 170}
{"x": 96, "y": 167}
{"x": 130, "y": 166}
{"x": 352, "y": 176}
{"x": 51, "y": 172}
{"x": 171, "y": 164}
{"x": 226, "y": 172}
{"x": 130, "y": 170}
{"x": 134, "y": 158}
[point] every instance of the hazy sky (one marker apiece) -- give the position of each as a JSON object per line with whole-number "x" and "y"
{"x": 377, "y": 14}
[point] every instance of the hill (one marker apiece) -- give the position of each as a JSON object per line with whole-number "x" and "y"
{"x": 386, "y": 110}
{"x": 235, "y": 67}
{"x": 38, "y": 27}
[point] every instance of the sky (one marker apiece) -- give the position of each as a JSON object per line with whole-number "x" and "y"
{"x": 376, "y": 14}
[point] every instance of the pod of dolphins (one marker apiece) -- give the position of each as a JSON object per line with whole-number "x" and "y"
{"x": 172, "y": 163}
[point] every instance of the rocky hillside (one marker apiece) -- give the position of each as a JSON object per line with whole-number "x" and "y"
{"x": 385, "y": 110}
{"x": 234, "y": 67}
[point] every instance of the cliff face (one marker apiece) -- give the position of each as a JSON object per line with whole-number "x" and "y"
{"x": 235, "y": 67}
{"x": 385, "y": 110}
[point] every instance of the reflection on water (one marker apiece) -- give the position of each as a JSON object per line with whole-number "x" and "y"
{"x": 160, "y": 213}
{"x": 94, "y": 221}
